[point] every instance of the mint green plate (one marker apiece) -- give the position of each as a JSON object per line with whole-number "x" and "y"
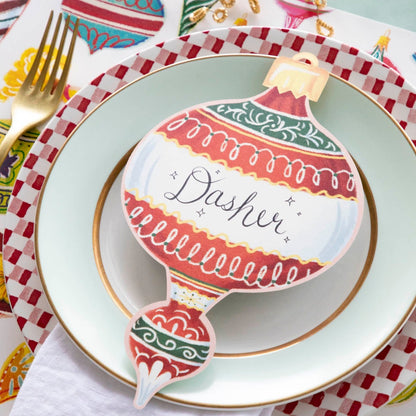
{"x": 278, "y": 346}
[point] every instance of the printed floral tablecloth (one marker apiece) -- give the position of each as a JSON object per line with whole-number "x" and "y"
{"x": 106, "y": 39}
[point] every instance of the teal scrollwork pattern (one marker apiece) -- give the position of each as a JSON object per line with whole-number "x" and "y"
{"x": 298, "y": 131}
{"x": 178, "y": 347}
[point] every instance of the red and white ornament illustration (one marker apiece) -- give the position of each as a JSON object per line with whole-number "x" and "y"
{"x": 115, "y": 23}
{"x": 237, "y": 195}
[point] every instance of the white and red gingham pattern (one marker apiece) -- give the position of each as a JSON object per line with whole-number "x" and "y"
{"x": 364, "y": 391}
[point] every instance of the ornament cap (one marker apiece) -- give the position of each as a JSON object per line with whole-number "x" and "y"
{"x": 291, "y": 74}
{"x": 384, "y": 40}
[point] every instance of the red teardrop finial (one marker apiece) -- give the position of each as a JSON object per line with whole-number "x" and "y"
{"x": 166, "y": 343}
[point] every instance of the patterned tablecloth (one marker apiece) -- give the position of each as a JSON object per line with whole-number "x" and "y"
{"x": 391, "y": 376}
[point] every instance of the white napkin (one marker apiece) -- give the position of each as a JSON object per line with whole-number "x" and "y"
{"x": 62, "y": 381}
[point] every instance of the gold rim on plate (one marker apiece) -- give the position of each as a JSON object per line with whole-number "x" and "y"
{"x": 350, "y": 296}
{"x": 366, "y": 267}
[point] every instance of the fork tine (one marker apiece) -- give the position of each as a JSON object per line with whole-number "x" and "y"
{"x": 49, "y": 86}
{"x": 32, "y": 72}
{"x": 44, "y": 72}
{"x": 62, "y": 81}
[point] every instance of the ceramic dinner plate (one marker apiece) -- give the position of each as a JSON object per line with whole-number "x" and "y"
{"x": 287, "y": 344}
{"x": 264, "y": 316}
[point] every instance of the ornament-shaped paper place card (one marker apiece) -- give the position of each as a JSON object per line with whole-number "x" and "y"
{"x": 240, "y": 195}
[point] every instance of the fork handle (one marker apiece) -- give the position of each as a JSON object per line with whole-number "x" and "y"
{"x": 9, "y": 139}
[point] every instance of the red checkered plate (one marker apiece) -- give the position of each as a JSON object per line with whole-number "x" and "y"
{"x": 29, "y": 302}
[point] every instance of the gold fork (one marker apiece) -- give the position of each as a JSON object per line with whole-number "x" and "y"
{"x": 36, "y": 102}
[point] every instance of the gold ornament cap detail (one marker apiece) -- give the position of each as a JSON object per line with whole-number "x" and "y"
{"x": 301, "y": 78}
{"x": 383, "y": 41}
